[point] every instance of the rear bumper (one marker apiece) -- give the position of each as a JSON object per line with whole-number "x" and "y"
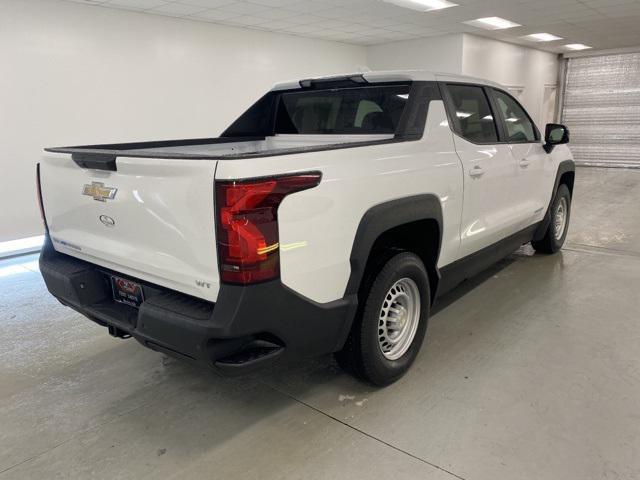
{"x": 247, "y": 328}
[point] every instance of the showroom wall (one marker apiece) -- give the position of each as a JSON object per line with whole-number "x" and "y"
{"x": 442, "y": 54}
{"x": 74, "y": 74}
{"x": 77, "y": 74}
{"x": 523, "y": 68}
{"x": 514, "y": 66}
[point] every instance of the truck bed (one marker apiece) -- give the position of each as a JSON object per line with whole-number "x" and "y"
{"x": 224, "y": 148}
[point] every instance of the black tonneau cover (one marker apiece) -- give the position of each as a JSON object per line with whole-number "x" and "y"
{"x": 99, "y": 158}
{"x": 103, "y": 157}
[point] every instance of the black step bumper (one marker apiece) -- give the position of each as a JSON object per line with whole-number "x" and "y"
{"x": 247, "y": 328}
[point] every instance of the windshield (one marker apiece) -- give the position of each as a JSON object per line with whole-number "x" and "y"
{"x": 362, "y": 110}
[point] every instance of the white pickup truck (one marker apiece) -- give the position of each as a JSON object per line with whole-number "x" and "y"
{"x": 328, "y": 218}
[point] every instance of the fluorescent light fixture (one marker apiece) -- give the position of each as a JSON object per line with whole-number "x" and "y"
{"x": 423, "y": 5}
{"x": 542, "y": 37}
{"x": 492, "y": 23}
{"x": 577, "y": 46}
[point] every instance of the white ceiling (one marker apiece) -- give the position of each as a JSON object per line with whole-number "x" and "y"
{"x": 602, "y": 24}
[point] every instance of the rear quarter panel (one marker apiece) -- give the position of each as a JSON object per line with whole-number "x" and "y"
{"x": 318, "y": 226}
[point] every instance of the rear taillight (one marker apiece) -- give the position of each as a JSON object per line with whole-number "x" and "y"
{"x": 39, "y": 194}
{"x": 247, "y": 225}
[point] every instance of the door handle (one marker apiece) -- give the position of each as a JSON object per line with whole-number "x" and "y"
{"x": 476, "y": 172}
{"x": 524, "y": 163}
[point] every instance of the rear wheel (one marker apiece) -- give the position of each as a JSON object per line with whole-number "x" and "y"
{"x": 390, "y": 327}
{"x": 556, "y": 232}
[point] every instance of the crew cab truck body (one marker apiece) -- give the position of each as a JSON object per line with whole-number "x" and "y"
{"x": 327, "y": 218}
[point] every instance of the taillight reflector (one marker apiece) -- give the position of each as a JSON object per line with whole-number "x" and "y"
{"x": 247, "y": 225}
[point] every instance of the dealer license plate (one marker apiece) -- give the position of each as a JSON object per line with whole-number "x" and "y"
{"x": 127, "y": 292}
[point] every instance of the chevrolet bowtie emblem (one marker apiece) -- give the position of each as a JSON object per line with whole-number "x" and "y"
{"x": 99, "y": 192}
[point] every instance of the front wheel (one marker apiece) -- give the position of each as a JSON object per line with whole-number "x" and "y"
{"x": 389, "y": 330}
{"x": 556, "y": 232}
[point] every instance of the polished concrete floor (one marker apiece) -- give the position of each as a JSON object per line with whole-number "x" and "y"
{"x": 531, "y": 371}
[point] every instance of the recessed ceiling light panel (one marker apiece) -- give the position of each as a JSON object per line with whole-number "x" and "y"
{"x": 577, "y": 46}
{"x": 492, "y": 23}
{"x": 542, "y": 37}
{"x": 423, "y": 5}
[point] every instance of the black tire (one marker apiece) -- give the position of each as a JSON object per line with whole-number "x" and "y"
{"x": 552, "y": 243}
{"x": 362, "y": 354}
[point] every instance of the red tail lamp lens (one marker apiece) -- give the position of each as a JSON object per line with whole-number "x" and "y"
{"x": 247, "y": 236}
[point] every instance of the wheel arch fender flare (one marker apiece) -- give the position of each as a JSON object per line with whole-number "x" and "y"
{"x": 384, "y": 217}
{"x": 566, "y": 166}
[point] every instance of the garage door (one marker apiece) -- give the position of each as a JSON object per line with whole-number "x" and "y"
{"x": 602, "y": 109}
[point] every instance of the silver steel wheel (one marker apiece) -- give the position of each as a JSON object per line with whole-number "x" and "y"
{"x": 399, "y": 318}
{"x": 560, "y": 221}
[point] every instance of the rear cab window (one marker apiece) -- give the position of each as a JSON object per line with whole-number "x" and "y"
{"x": 395, "y": 109}
{"x": 367, "y": 110}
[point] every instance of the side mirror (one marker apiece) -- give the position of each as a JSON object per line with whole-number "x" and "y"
{"x": 555, "y": 134}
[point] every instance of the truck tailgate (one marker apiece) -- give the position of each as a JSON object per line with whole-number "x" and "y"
{"x": 152, "y": 219}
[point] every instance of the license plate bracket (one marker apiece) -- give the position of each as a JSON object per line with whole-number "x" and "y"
{"x": 127, "y": 292}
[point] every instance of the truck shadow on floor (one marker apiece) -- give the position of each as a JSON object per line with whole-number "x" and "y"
{"x": 188, "y": 413}
{"x": 472, "y": 283}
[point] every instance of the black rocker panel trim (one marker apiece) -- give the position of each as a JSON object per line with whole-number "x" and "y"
{"x": 565, "y": 166}
{"x": 382, "y": 218}
{"x": 457, "y": 272}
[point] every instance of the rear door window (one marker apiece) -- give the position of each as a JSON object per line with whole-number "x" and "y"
{"x": 472, "y": 115}
{"x": 362, "y": 110}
